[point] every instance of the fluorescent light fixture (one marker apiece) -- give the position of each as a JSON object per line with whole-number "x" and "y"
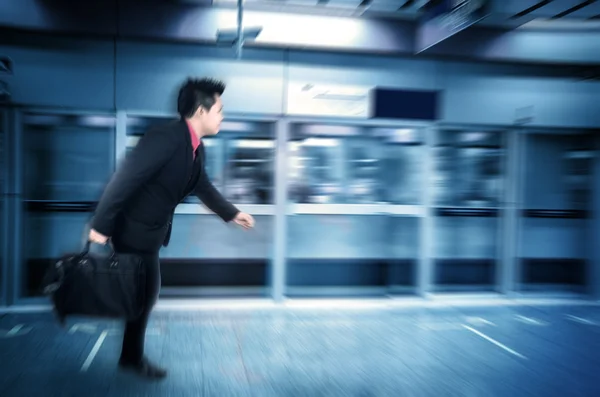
{"x": 335, "y": 130}
{"x": 97, "y": 121}
{"x": 336, "y": 9}
{"x": 404, "y": 135}
{"x": 320, "y": 142}
{"x": 255, "y": 144}
{"x": 294, "y": 146}
{"x": 237, "y": 126}
{"x": 473, "y": 136}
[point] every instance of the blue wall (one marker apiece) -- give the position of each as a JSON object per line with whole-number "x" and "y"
{"x": 148, "y": 76}
{"x": 81, "y": 74}
{"x": 61, "y": 73}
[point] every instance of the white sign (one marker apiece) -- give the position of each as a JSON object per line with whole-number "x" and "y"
{"x": 306, "y": 99}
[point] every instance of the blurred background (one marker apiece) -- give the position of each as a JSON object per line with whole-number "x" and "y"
{"x": 380, "y": 156}
{"x": 387, "y": 149}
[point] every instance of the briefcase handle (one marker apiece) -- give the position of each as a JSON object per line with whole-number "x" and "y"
{"x": 86, "y": 250}
{"x": 88, "y": 243}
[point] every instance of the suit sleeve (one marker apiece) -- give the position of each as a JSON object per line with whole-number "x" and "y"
{"x": 211, "y": 197}
{"x": 151, "y": 153}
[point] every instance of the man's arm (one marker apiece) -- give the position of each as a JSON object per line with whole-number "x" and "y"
{"x": 151, "y": 153}
{"x": 211, "y": 197}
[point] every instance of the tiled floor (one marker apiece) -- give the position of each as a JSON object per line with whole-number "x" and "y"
{"x": 500, "y": 351}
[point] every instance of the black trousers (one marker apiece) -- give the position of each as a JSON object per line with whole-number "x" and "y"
{"x": 132, "y": 350}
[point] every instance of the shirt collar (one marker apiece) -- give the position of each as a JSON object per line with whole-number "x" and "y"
{"x": 193, "y": 136}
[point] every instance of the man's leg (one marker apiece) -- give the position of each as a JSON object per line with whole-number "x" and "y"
{"x": 132, "y": 352}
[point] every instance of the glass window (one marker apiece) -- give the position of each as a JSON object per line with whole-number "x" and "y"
{"x": 467, "y": 171}
{"x": 364, "y": 169}
{"x": 557, "y": 185}
{"x": 250, "y": 171}
{"x": 316, "y": 174}
{"x": 355, "y": 165}
{"x": 67, "y": 158}
{"x": 558, "y": 172}
{"x": 400, "y": 171}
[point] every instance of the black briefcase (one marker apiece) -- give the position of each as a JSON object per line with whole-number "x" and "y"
{"x": 95, "y": 285}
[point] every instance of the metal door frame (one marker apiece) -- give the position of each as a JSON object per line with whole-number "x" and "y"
{"x": 4, "y": 223}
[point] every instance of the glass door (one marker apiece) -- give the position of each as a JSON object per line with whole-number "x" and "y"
{"x": 354, "y": 214}
{"x": 67, "y": 161}
{"x": 468, "y": 184}
{"x": 557, "y": 184}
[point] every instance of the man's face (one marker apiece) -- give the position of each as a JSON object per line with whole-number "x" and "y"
{"x": 211, "y": 119}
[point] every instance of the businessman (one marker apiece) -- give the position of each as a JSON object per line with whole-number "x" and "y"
{"x": 136, "y": 209}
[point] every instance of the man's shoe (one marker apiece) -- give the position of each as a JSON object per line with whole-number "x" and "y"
{"x": 144, "y": 368}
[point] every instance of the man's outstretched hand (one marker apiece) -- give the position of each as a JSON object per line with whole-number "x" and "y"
{"x": 97, "y": 238}
{"x": 244, "y": 220}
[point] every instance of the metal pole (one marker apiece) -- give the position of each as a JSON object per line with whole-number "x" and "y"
{"x": 426, "y": 272}
{"x": 278, "y": 268}
{"x": 508, "y": 275}
{"x": 16, "y": 267}
{"x": 240, "y": 39}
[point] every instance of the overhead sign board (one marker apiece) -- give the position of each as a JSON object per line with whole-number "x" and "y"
{"x": 447, "y": 18}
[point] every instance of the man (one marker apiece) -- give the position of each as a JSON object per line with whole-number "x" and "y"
{"x": 136, "y": 209}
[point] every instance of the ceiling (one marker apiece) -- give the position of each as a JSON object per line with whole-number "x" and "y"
{"x": 503, "y": 13}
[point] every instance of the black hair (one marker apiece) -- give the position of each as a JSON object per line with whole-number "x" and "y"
{"x": 195, "y": 93}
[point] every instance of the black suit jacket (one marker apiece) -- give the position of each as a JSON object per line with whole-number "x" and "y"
{"x": 137, "y": 206}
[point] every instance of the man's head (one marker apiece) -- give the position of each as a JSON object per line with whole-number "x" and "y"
{"x": 199, "y": 101}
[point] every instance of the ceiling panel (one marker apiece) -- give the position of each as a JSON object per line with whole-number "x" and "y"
{"x": 558, "y": 6}
{"x": 587, "y": 12}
